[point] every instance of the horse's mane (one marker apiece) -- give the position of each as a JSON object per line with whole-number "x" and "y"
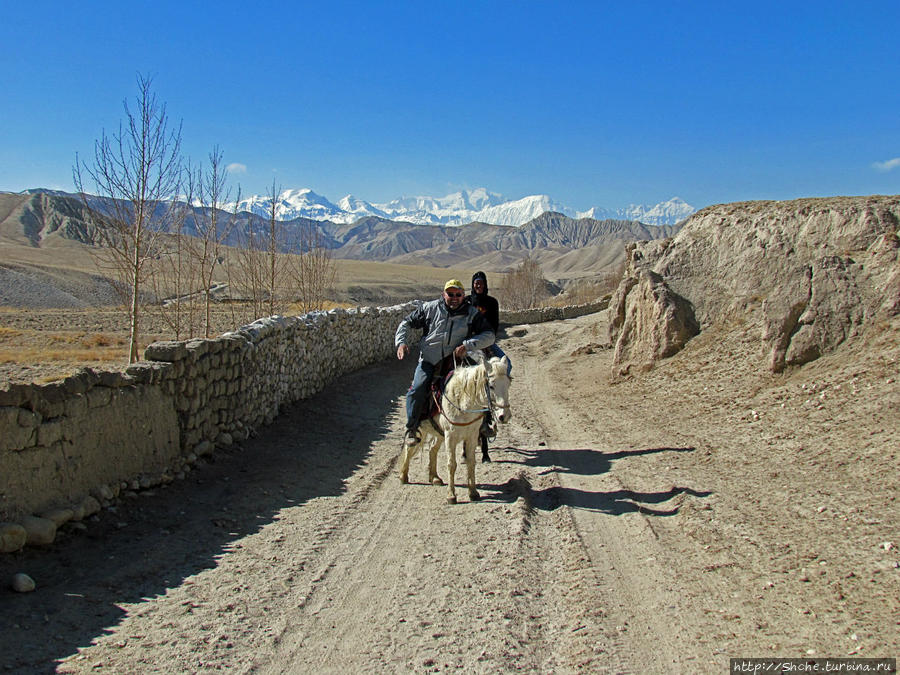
{"x": 466, "y": 386}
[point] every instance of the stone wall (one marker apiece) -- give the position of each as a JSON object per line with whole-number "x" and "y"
{"x": 542, "y": 314}
{"x": 70, "y": 447}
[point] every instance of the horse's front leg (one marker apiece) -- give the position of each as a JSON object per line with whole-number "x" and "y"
{"x": 451, "y": 443}
{"x": 470, "y": 442}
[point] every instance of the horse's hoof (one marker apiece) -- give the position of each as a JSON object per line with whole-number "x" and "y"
{"x": 404, "y": 479}
{"x": 475, "y": 497}
{"x": 437, "y": 481}
{"x": 485, "y": 458}
{"x": 451, "y": 500}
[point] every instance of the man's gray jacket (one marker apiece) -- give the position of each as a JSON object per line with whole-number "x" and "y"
{"x": 444, "y": 331}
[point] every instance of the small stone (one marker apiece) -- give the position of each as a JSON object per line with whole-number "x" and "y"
{"x": 22, "y": 583}
{"x": 204, "y": 448}
{"x": 12, "y": 537}
{"x": 103, "y": 492}
{"x": 888, "y": 545}
{"x": 89, "y": 506}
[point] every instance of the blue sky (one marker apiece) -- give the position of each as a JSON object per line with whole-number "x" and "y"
{"x": 594, "y": 103}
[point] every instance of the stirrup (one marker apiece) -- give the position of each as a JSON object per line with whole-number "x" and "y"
{"x": 411, "y": 437}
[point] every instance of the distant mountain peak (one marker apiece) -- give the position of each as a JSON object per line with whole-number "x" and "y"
{"x": 457, "y": 208}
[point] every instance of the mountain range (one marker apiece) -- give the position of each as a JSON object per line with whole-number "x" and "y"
{"x": 567, "y": 248}
{"x": 458, "y": 208}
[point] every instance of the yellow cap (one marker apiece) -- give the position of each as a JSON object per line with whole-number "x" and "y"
{"x": 454, "y": 283}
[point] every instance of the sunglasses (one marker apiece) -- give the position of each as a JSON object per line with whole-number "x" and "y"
{"x": 453, "y": 295}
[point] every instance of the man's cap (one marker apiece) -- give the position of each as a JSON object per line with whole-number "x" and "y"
{"x": 454, "y": 283}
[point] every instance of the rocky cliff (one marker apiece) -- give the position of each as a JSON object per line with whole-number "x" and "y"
{"x": 807, "y": 275}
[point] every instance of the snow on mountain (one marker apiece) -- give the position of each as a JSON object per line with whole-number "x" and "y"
{"x": 520, "y": 211}
{"x": 665, "y": 213}
{"x": 359, "y": 208}
{"x": 458, "y": 208}
{"x": 454, "y": 209}
{"x": 294, "y": 204}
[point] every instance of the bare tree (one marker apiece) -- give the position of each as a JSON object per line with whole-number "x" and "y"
{"x": 135, "y": 174}
{"x": 247, "y": 274}
{"x": 173, "y": 276}
{"x": 275, "y": 263}
{"x": 212, "y": 228}
{"x": 525, "y": 287}
{"x": 312, "y": 269}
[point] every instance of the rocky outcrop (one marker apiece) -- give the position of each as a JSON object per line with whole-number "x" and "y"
{"x": 650, "y": 321}
{"x": 809, "y": 274}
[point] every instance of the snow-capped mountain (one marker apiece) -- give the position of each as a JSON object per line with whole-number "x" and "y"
{"x": 295, "y": 204}
{"x": 458, "y": 208}
{"x": 665, "y": 213}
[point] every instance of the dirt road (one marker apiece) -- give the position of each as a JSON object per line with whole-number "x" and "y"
{"x": 629, "y": 528}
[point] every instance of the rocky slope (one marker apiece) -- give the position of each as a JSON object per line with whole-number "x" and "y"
{"x": 808, "y": 274}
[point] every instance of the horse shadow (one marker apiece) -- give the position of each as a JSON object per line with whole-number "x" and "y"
{"x": 581, "y": 461}
{"x": 613, "y": 503}
{"x": 587, "y": 462}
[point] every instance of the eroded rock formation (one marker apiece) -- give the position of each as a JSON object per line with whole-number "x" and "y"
{"x": 808, "y": 273}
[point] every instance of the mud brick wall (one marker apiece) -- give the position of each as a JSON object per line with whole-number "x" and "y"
{"x": 71, "y": 447}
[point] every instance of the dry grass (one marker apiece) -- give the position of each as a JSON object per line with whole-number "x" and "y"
{"x": 49, "y": 354}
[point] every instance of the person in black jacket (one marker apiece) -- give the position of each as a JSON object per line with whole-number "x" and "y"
{"x": 480, "y": 298}
{"x": 490, "y": 309}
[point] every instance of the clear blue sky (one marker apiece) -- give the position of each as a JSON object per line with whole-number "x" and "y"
{"x": 594, "y": 103}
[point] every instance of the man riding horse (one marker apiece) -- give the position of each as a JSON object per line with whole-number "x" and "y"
{"x": 451, "y": 326}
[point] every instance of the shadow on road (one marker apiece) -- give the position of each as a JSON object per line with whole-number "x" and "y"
{"x": 143, "y": 546}
{"x": 587, "y": 462}
{"x": 582, "y": 461}
{"x": 613, "y": 503}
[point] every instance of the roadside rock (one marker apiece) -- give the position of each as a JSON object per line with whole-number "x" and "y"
{"x": 648, "y": 320}
{"x": 12, "y": 537}
{"x": 40, "y": 531}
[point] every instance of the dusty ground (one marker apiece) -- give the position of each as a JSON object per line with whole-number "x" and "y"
{"x": 659, "y": 525}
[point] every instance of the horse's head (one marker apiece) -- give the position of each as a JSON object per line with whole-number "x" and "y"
{"x": 498, "y": 382}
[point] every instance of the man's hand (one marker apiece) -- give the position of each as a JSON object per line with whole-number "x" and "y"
{"x": 460, "y": 352}
{"x": 402, "y": 351}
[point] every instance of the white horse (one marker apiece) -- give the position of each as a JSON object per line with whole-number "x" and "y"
{"x": 468, "y": 395}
